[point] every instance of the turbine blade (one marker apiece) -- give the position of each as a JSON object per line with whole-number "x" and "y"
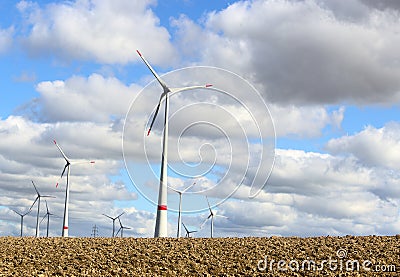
{"x": 35, "y": 188}
{"x": 154, "y": 117}
{"x": 185, "y": 227}
{"x": 204, "y": 222}
{"x": 43, "y": 218}
{"x": 16, "y": 212}
{"x": 120, "y": 224}
{"x": 58, "y": 182}
{"x": 26, "y": 213}
{"x": 65, "y": 167}
{"x": 120, "y": 215}
{"x": 177, "y": 191}
{"x": 220, "y": 215}
{"x": 62, "y": 153}
{"x": 108, "y": 216}
{"x": 188, "y": 187}
{"x": 48, "y": 196}
{"x": 34, "y": 203}
{"x": 47, "y": 207}
{"x": 174, "y": 90}
{"x": 118, "y": 231}
{"x": 83, "y": 162}
{"x": 209, "y": 207}
{"x": 153, "y": 72}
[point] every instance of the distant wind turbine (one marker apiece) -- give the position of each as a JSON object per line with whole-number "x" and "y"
{"x": 38, "y": 207}
{"x": 187, "y": 231}
{"x": 161, "y": 219}
{"x": 113, "y": 219}
{"x": 212, "y": 219}
{"x": 178, "y": 233}
{"x": 22, "y": 218}
{"x": 68, "y": 167}
{"x": 48, "y": 214}
{"x": 121, "y": 228}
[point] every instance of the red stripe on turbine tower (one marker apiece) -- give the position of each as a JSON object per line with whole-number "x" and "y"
{"x": 162, "y": 207}
{"x": 65, "y": 227}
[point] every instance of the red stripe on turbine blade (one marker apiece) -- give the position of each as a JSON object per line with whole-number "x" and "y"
{"x": 138, "y": 52}
{"x": 92, "y": 162}
{"x": 65, "y": 227}
{"x": 208, "y": 85}
{"x": 162, "y": 207}
{"x": 148, "y": 132}
{"x": 55, "y": 142}
{"x": 57, "y": 185}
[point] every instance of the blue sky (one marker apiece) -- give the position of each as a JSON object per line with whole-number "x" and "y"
{"x": 329, "y": 72}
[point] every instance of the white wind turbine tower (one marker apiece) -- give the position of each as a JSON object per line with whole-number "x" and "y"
{"x": 178, "y": 233}
{"x": 68, "y": 167}
{"x": 212, "y": 219}
{"x": 22, "y": 218}
{"x": 38, "y": 207}
{"x": 161, "y": 219}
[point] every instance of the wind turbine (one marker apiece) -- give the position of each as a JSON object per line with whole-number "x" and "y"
{"x": 22, "y": 218}
{"x": 48, "y": 214}
{"x": 68, "y": 167}
{"x": 187, "y": 231}
{"x": 113, "y": 219}
{"x": 161, "y": 219}
{"x": 38, "y": 207}
{"x": 178, "y": 233}
{"x": 121, "y": 228}
{"x": 212, "y": 218}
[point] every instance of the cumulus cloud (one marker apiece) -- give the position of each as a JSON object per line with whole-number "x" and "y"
{"x": 96, "y": 30}
{"x": 312, "y": 119}
{"x": 301, "y": 52}
{"x": 95, "y": 99}
{"x": 372, "y": 146}
{"x": 385, "y": 4}
{"x": 27, "y": 153}
{"x": 307, "y": 187}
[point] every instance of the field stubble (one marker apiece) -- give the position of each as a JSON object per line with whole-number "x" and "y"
{"x": 273, "y": 256}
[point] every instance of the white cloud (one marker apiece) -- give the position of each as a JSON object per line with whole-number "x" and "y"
{"x": 28, "y": 153}
{"x": 304, "y": 121}
{"x": 95, "y": 99}
{"x": 97, "y": 30}
{"x": 6, "y": 39}
{"x": 372, "y": 146}
{"x": 302, "y": 52}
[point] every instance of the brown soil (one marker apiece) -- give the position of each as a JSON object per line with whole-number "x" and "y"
{"x": 275, "y": 256}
